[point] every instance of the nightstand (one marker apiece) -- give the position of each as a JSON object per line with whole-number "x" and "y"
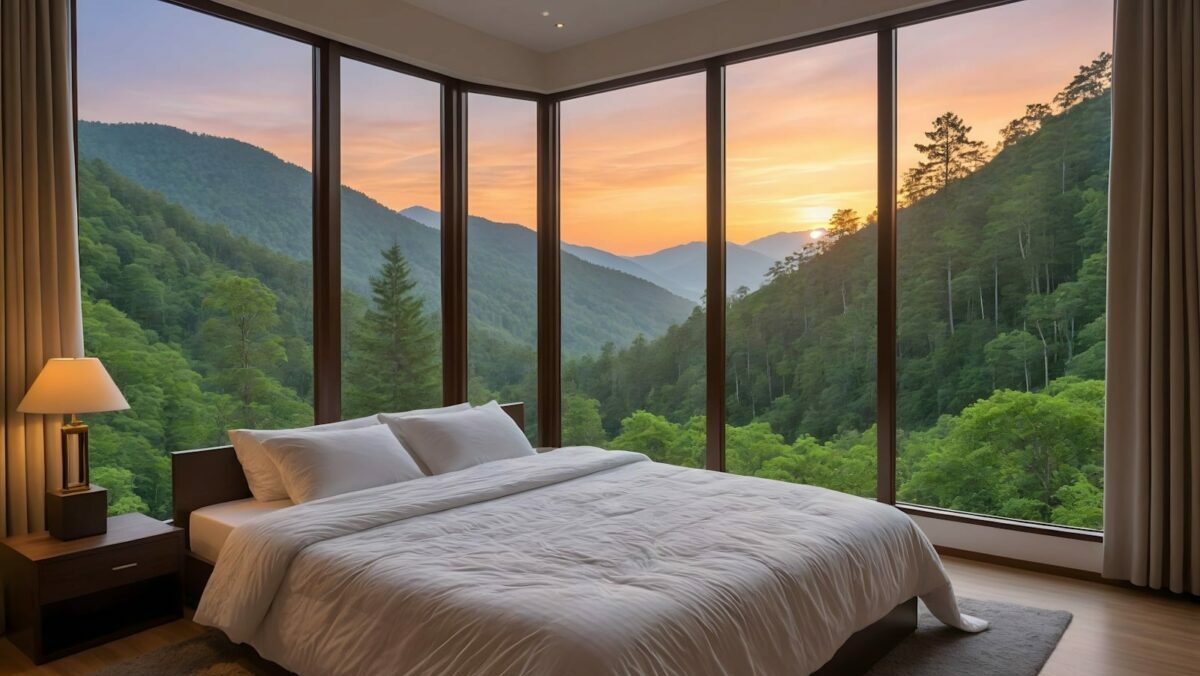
{"x": 61, "y": 597}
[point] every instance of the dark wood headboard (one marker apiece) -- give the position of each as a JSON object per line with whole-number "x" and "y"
{"x": 207, "y": 476}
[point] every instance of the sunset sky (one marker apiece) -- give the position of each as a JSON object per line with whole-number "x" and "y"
{"x": 801, "y": 126}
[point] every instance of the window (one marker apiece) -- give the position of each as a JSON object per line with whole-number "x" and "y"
{"x": 633, "y": 269}
{"x": 801, "y": 266}
{"x": 195, "y": 204}
{"x": 1003, "y": 154}
{"x": 502, "y": 252}
{"x": 197, "y": 268}
{"x": 391, "y": 241}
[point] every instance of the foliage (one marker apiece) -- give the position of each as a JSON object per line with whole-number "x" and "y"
{"x": 1000, "y": 333}
{"x": 1000, "y": 354}
{"x": 950, "y": 155}
{"x": 393, "y": 357}
{"x": 247, "y": 191}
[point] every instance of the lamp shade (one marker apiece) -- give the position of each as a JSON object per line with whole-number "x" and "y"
{"x": 67, "y": 385}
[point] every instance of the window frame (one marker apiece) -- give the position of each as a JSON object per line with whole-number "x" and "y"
{"x": 326, "y": 225}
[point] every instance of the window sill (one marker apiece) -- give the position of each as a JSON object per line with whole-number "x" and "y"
{"x": 1006, "y": 524}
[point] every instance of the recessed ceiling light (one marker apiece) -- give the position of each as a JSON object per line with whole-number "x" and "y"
{"x": 545, "y": 13}
{"x": 560, "y": 25}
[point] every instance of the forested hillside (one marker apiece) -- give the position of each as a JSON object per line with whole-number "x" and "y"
{"x": 203, "y": 330}
{"x": 198, "y": 296}
{"x": 1000, "y": 336}
{"x": 257, "y": 195}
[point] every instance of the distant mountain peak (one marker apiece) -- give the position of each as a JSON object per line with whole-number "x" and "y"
{"x": 423, "y": 215}
{"x": 779, "y": 245}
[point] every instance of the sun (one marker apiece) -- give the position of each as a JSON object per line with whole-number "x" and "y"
{"x": 814, "y": 216}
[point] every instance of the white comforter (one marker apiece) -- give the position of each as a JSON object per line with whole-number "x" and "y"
{"x": 578, "y": 561}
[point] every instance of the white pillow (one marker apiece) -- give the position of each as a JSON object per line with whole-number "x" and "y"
{"x": 317, "y": 465}
{"x": 261, "y": 474}
{"x": 454, "y": 408}
{"x": 452, "y": 441}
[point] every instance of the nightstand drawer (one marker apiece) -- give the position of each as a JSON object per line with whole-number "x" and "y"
{"x": 107, "y": 568}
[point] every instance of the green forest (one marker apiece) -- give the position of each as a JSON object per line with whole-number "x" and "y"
{"x": 198, "y": 299}
{"x": 1001, "y": 294}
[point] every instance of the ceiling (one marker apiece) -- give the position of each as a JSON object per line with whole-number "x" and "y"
{"x": 521, "y": 21}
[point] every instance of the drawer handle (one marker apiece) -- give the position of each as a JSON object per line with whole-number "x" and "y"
{"x": 128, "y": 565}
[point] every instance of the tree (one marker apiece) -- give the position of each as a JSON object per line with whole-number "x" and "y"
{"x": 1091, "y": 81}
{"x": 950, "y": 155}
{"x": 118, "y": 482}
{"x": 1009, "y": 356}
{"x": 581, "y": 422}
{"x": 240, "y": 342}
{"x": 393, "y": 355}
{"x": 1012, "y": 453}
{"x": 1026, "y": 125}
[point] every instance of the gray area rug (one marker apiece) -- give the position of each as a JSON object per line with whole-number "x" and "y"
{"x": 1018, "y": 643}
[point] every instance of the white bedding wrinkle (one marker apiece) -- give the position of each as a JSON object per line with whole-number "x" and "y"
{"x": 578, "y": 561}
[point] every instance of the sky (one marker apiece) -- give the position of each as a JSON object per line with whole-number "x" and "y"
{"x": 800, "y": 126}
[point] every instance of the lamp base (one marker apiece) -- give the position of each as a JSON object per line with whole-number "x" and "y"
{"x": 75, "y": 513}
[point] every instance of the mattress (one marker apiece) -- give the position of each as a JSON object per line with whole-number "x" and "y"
{"x": 209, "y": 527}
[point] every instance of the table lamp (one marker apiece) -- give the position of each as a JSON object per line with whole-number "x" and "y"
{"x": 72, "y": 386}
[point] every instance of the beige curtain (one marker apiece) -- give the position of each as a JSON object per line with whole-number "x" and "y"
{"x": 1152, "y": 436}
{"x": 39, "y": 252}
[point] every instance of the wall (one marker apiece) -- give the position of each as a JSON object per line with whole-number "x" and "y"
{"x": 1046, "y": 549}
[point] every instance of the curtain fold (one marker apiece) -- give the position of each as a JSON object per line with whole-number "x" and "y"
{"x": 39, "y": 250}
{"x": 1152, "y": 432}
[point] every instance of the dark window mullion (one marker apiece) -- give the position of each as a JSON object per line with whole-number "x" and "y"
{"x": 885, "y": 481}
{"x": 454, "y": 243}
{"x": 549, "y": 278}
{"x": 715, "y": 292}
{"x": 326, "y": 230}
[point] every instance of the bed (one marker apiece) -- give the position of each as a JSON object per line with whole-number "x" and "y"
{"x": 577, "y": 561}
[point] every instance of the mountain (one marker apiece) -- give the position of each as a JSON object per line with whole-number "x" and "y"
{"x": 604, "y": 259}
{"x": 423, "y": 215}
{"x": 781, "y": 244}
{"x": 684, "y": 266}
{"x": 269, "y": 201}
{"x": 628, "y": 266}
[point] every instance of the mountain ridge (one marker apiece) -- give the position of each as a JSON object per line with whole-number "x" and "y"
{"x": 257, "y": 195}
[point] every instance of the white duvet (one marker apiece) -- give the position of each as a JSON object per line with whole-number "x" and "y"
{"x": 579, "y": 561}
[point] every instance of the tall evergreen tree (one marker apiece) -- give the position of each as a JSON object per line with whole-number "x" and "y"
{"x": 1091, "y": 81}
{"x": 951, "y": 154}
{"x": 1026, "y": 125}
{"x": 393, "y": 353}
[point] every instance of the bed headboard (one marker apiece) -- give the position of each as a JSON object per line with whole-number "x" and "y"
{"x": 207, "y": 476}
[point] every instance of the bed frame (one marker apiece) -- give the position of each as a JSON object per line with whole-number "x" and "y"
{"x": 209, "y": 476}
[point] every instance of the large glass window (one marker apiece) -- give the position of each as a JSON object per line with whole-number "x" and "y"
{"x": 391, "y": 241}
{"x": 1003, "y": 153}
{"x": 195, "y": 204}
{"x": 801, "y": 266}
{"x": 502, "y": 252}
{"x": 633, "y": 269}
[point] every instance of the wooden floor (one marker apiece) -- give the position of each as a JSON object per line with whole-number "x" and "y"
{"x": 1115, "y": 630}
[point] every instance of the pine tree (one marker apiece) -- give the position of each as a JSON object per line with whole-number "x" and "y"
{"x": 1091, "y": 81}
{"x": 393, "y": 353}
{"x": 950, "y": 155}
{"x": 1026, "y": 125}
